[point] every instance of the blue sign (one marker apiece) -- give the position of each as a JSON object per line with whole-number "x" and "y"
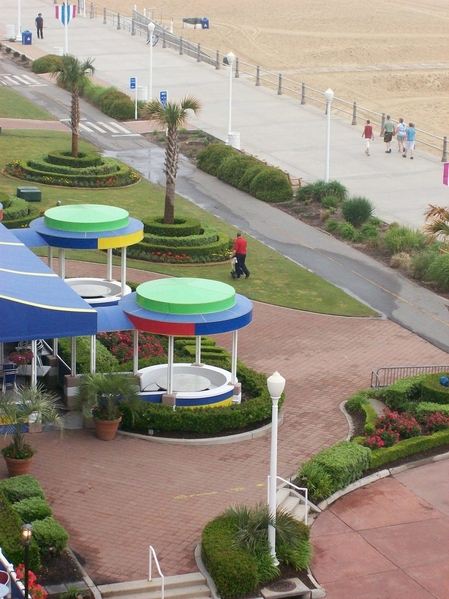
{"x": 132, "y": 83}
{"x": 163, "y": 98}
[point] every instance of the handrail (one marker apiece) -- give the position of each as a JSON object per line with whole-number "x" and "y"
{"x": 137, "y": 24}
{"x": 299, "y": 489}
{"x": 150, "y": 576}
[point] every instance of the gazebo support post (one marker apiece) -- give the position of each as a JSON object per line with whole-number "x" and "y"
{"x": 123, "y": 272}
{"x": 109, "y": 267}
{"x": 50, "y": 257}
{"x": 73, "y": 356}
{"x": 237, "y": 395}
{"x": 171, "y": 344}
{"x": 198, "y": 351}
{"x": 62, "y": 263}
{"x": 93, "y": 353}
{"x": 135, "y": 351}
{"x": 33, "y": 382}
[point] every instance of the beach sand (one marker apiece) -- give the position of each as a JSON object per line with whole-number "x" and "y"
{"x": 388, "y": 57}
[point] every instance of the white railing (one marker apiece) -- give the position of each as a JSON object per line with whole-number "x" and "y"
{"x": 299, "y": 491}
{"x": 152, "y": 555}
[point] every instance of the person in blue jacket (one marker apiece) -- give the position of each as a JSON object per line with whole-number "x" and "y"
{"x": 409, "y": 141}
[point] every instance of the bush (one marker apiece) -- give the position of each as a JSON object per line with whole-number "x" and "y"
{"x": 330, "y": 202}
{"x": 357, "y": 211}
{"x": 108, "y": 98}
{"x": 401, "y": 260}
{"x": 14, "y": 208}
{"x": 347, "y": 231}
{"x": 271, "y": 185}
{"x": 422, "y": 260}
{"x": 433, "y": 391}
{"x": 34, "y": 508}
{"x": 438, "y": 271}
{"x": 105, "y": 361}
{"x": 316, "y": 479}
{"x": 83, "y": 160}
{"x": 398, "y": 395}
{"x": 209, "y": 159}
{"x": 232, "y": 169}
{"x": 182, "y": 227}
{"x": 342, "y": 464}
{"x": 427, "y": 407}
{"x": 403, "y": 239}
{"x": 370, "y": 233}
{"x": 122, "y": 110}
{"x": 233, "y": 570}
{"x": 250, "y": 173}
{"x": 50, "y": 536}
{"x": 11, "y": 541}
{"x": 21, "y": 487}
{"x": 320, "y": 190}
{"x": 45, "y": 64}
{"x": 408, "y": 447}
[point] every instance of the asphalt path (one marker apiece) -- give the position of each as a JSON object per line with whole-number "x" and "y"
{"x": 391, "y": 295}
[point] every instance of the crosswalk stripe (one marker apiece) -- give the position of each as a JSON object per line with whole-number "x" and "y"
{"x": 85, "y": 127}
{"x": 119, "y": 127}
{"x": 7, "y": 78}
{"x": 97, "y": 127}
{"x": 108, "y": 127}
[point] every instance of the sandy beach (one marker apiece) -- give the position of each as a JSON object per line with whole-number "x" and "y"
{"x": 391, "y": 58}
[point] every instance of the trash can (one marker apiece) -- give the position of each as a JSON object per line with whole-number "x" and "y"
{"x": 26, "y": 37}
{"x": 234, "y": 140}
{"x": 204, "y": 23}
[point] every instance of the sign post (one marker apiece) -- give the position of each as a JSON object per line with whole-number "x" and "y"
{"x": 133, "y": 85}
{"x": 163, "y": 98}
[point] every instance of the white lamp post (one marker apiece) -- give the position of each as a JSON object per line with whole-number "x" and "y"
{"x": 329, "y": 95}
{"x": 276, "y": 384}
{"x": 19, "y": 22}
{"x": 151, "y": 27}
{"x": 230, "y": 57}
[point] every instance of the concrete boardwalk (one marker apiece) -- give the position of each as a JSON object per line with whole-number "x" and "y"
{"x": 276, "y": 128}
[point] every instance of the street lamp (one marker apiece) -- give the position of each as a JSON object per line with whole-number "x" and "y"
{"x": 230, "y": 58}
{"x": 151, "y": 27}
{"x": 276, "y": 384}
{"x": 329, "y": 95}
{"x": 27, "y": 533}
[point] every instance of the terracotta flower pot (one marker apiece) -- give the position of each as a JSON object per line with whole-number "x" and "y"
{"x": 18, "y": 467}
{"x": 106, "y": 429}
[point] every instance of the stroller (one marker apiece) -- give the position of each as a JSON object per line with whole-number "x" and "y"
{"x": 234, "y": 273}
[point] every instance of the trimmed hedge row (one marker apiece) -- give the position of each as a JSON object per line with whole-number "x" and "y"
{"x": 83, "y": 160}
{"x": 105, "y": 361}
{"x": 408, "y": 447}
{"x": 108, "y": 166}
{"x": 182, "y": 227}
{"x": 14, "y": 208}
{"x": 11, "y": 536}
{"x": 206, "y": 236}
{"x": 246, "y": 173}
{"x": 209, "y": 253}
{"x": 206, "y": 421}
{"x": 432, "y": 390}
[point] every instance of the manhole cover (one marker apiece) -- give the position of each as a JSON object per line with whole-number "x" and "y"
{"x": 282, "y": 586}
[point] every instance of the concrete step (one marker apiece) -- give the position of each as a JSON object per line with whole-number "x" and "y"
{"x": 299, "y": 512}
{"x": 185, "y": 586}
{"x": 281, "y": 495}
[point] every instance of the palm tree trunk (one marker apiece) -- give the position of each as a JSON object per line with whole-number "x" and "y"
{"x": 75, "y": 121}
{"x": 169, "y": 209}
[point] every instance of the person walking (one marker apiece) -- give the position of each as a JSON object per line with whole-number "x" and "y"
{"x": 368, "y": 135}
{"x": 40, "y": 26}
{"x": 410, "y": 141}
{"x": 239, "y": 252}
{"x": 388, "y": 131}
{"x": 401, "y": 133}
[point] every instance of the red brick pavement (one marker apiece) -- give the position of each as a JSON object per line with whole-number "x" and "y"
{"x": 117, "y": 498}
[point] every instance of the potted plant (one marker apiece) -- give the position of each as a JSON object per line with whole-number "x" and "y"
{"x": 100, "y": 395}
{"x": 20, "y": 358}
{"x": 27, "y": 405}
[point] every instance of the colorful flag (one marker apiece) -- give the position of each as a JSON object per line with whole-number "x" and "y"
{"x": 60, "y": 12}
{"x": 446, "y": 173}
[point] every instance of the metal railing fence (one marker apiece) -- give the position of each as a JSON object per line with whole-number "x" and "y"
{"x": 382, "y": 377}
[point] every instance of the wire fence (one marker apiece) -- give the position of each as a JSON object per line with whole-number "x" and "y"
{"x": 137, "y": 24}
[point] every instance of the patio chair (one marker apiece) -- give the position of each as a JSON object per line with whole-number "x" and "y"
{"x": 8, "y": 377}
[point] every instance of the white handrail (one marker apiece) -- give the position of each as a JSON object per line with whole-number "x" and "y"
{"x": 299, "y": 489}
{"x": 152, "y": 554}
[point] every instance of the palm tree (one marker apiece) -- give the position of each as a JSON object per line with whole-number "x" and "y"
{"x": 171, "y": 117}
{"x": 72, "y": 75}
{"x": 437, "y": 222}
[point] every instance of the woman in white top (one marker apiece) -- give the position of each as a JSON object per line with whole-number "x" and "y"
{"x": 401, "y": 132}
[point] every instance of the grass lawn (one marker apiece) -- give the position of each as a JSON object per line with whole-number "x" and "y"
{"x": 14, "y": 106}
{"x": 274, "y": 278}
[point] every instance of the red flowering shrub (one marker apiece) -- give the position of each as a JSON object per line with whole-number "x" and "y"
{"x": 435, "y": 422}
{"x": 35, "y": 590}
{"x": 120, "y": 344}
{"x": 391, "y": 428}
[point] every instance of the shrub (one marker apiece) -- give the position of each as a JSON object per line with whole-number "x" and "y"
{"x": 435, "y": 422}
{"x": 403, "y": 239}
{"x": 422, "y": 260}
{"x": 347, "y": 231}
{"x": 209, "y": 159}
{"x": 399, "y": 394}
{"x": 330, "y": 202}
{"x": 401, "y": 260}
{"x": 11, "y": 537}
{"x": 357, "y": 211}
{"x": 320, "y": 189}
{"x": 370, "y": 233}
{"x": 122, "y": 109}
{"x": 356, "y": 402}
{"x": 182, "y": 227}
{"x": 248, "y": 176}
{"x": 408, "y": 447}
{"x": 45, "y": 64}
{"x": 34, "y": 508}
{"x": 438, "y": 271}
{"x": 21, "y": 487}
{"x": 50, "y": 536}
{"x": 425, "y": 408}
{"x": 271, "y": 185}
{"x": 108, "y": 98}
{"x": 316, "y": 479}
{"x": 432, "y": 390}
{"x": 232, "y": 169}
{"x": 106, "y": 362}
{"x": 332, "y": 225}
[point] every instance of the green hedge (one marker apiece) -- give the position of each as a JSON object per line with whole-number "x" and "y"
{"x": 271, "y": 185}
{"x": 50, "y": 536}
{"x": 11, "y": 541}
{"x": 408, "y": 447}
{"x": 207, "y": 236}
{"x": 24, "y": 221}
{"x": 14, "y": 208}
{"x": 210, "y": 159}
{"x": 182, "y": 227}
{"x": 426, "y": 407}
{"x": 45, "y": 64}
{"x": 105, "y": 361}
{"x": 32, "y": 509}
{"x": 233, "y": 168}
{"x": 158, "y": 253}
{"x": 108, "y": 166}
{"x": 399, "y": 394}
{"x": 233, "y": 570}
{"x": 433, "y": 391}
{"x": 370, "y": 419}
{"x": 22, "y": 487}
{"x": 83, "y": 160}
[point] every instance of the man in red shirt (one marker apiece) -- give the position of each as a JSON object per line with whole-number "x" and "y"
{"x": 239, "y": 252}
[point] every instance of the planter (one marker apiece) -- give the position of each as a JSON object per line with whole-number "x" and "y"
{"x": 106, "y": 429}
{"x": 18, "y": 467}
